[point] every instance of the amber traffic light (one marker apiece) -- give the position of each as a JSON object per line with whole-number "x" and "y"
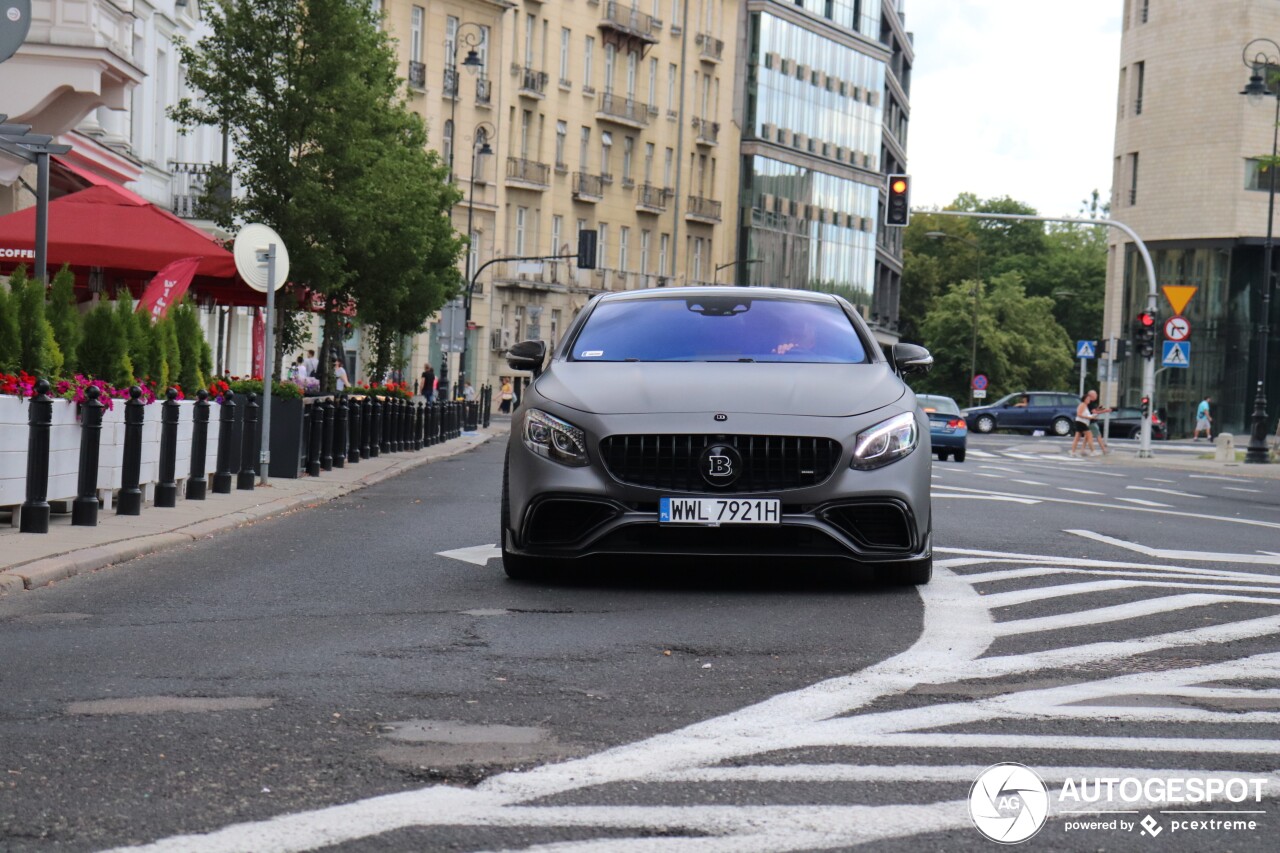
{"x": 898, "y": 210}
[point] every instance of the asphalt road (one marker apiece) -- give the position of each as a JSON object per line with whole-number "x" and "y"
{"x": 336, "y": 679}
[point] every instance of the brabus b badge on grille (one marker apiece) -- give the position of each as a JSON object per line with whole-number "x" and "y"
{"x": 722, "y": 417}
{"x": 720, "y": 465}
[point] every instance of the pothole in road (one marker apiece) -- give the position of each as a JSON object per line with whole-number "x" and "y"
{"x": 169, "y": 704}
{"x": 430, "y": 744}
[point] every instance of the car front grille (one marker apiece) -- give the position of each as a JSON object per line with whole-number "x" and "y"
{"x": 770, "y": 463}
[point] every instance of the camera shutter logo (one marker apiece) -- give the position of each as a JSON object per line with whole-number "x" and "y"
{"x": 1008, "y": 803}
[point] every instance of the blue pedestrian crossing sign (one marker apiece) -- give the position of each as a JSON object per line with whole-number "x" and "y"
{"x": 1086, "y": 349}
{"x": 1176, "y": 354}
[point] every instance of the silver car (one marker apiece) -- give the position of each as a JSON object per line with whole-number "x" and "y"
{"x": 718, "y": 421}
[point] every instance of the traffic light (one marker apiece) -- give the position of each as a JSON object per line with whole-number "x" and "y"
{"x": 1146, "y": 406}
{"x": 1144, "y": 334}
{"x": 898, "y": 210}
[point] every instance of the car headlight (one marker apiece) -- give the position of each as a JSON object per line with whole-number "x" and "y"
{"x": 555, "y": 439}
{"x": 886, "y": 441}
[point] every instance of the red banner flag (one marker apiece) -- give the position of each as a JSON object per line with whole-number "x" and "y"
{"x": 168, "y": 287}
{"x": 259, "y": 341}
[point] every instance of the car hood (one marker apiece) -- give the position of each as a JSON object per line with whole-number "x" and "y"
{"x": 817, "y": 390}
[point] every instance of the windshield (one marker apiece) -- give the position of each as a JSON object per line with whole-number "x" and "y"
{"x": 942, "y": 405}
{"x": 719, "y": 328}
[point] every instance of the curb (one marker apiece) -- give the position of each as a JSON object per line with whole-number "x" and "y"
{"x": 48, "y": 570}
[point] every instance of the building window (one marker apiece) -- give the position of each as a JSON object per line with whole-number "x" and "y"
{"x": 473, "y": 252}
{"x": 606, "y": 149}
{"x": 697, "y": 259}
{"x": 584, "y": 152}
{"x": 667, "y": 165}
{"x": 653, "y": 83}
{"x": 648, "y": 162}
{"x": 1146, "y": 10}
{"x": 675, "y": 13}
{"x": 557, "y": 228}
{"x": 633, "y": 68}
{"x": 555, "y": 326}
{"x": 624, "y": 247}
{"x": 1258, "y": 176}
{"x": 446, "y": 141}
{"x": 415, "y": 34}
{"x": 671, "y": 87}
{"x": 610, "y": 53}
{"x": 628, "y": 150}
{"x": 645, "y": 240}
{"x": 588, "y": 63}
{"x": 562, "y": 131}
{"x": 602, "y": 259}
{"x": 564, "y": 56}
{"x": 530, "y": 26}
{"x": 664, "y": 245}
{"x": 1133, "y": 178}
{"x": 1140, "y": 74}
{"x": 522, "y": 217}
{"x": 451, "y": 38}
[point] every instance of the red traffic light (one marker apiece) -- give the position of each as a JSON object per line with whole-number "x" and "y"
{"x": 1146, "y": 318}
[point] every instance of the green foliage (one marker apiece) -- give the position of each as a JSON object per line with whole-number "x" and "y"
{"x": 1020, "y": 345}
{"x": 171, "y": 353}
{"x": 38, "y": 352}
{"x": 64, "y": 317}
{"x": 104, "y": 349}
{"x": 144, "y": 348}
{"x": 189, "y": 337}
{"x": 10, "y": 341}
{"x": 328, "y": 155}
{"x": 283, "y": 390}
{"x": 123, "y": 374}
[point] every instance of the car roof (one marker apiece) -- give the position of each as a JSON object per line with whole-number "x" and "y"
{"x": 726, "y": 290}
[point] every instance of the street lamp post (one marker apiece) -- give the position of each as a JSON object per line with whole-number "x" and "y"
{"x": 472, "y": 63}
{"x": 735, "y": 263}
{"x": 1258, "y": 62}
{"x": 479, "y": 148}
{"x": 977, "y": 293}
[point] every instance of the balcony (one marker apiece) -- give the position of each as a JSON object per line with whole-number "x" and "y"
{"x": 450, "y": 84}
{"x": 588, "y": 188}
{"x": 711, "y": 49}
{"x": 200, "y": 190}
{"x": 620, "y": 110}
{"x": 533, "y": 84}
{"x": 703, "y": 209}
{"x": 708, "y": 131}
{"x": 630, "y": 24}
{"x": 484, "y": 93}
{"x": 652, "y": 199}
{"x": 417, "y": 76}
{"x": 528, "y": 174}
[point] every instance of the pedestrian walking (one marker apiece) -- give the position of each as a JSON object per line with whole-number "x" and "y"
{"x": 1083, "y": 418}
{"x": 339, "y": 375}
{"x": 1204, "y": 421}
{"x": 468, "y": 391}
{"x": 312, "y": 363}
{"x": 429, "y": 383}
{"x": 1095, "y": 430}
{"x": 505, "y": 396}
{"x": 298, "y": 370}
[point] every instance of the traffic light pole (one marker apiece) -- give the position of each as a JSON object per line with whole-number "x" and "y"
{"x": 1148, "y": 364}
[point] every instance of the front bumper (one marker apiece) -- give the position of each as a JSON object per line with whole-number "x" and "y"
{"x": 878, "y": 516}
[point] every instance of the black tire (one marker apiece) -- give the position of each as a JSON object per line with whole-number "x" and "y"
{"x": 518, "y": 566}
{"x": 914, "y": 573}
{"x": 959, "y": 455}
{"x": 985, "y": 424}
{"x": 942, "y": 456}
{"x": 1061, "y": 426}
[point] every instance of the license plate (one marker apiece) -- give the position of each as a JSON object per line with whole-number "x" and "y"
{"x": 713, "y": 512}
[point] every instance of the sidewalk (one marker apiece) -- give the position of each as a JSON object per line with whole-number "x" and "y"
{"x": 30, "y": 560}
{"x": 1171, "y": 456}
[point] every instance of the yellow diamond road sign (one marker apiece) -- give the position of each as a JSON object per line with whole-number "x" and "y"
{"x": 1179, "y": 295}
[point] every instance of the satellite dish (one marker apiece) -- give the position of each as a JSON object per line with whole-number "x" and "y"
{"x": 250, "y": 252}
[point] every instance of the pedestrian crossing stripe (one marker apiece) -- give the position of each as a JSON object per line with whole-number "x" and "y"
{"x": 1176, "y": 354}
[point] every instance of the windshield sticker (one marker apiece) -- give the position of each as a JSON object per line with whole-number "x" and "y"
{"x": 592, "y": 353}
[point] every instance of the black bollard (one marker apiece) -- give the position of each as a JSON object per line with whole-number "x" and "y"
{"x": 366, "y": 426}
{"x": 402, "y": 421}
{"x": 384, "y": 441}
{"x": 226, "y": 435}
{"x": 167, "y": 488}
{"x": 397, "y": 410}
{"x": 197, "y": 485}
{"x": 354, "y": 419}
{"x": 326, "y": 438}
{"x": 84, "y": 510}
{"x": 419, "y": 425}
{"x": 35, "y": 509}
{"x": 248, "y": 476}
{"x": 316, "y": 438}
{"x": 130, "y": 500}
{"x": 375, "y": 428}
{"x": 340, "y": 433}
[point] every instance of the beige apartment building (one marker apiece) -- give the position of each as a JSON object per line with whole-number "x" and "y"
{"x": 1188, "y": 179}
{"x": 609, "y": 116}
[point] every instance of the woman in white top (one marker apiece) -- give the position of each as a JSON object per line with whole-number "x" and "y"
{"x": 1084, "y": 417}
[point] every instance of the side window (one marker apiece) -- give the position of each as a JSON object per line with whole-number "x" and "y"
{"x": 1040, "y": 400}
{"x": 1068, "y": 400}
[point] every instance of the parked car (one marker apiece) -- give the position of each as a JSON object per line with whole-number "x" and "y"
{"x": 1126, "y": 422}
{"x": 1026, "y": 411}
{"x": 947, "y": 430}
{"x": 722, "y": 422}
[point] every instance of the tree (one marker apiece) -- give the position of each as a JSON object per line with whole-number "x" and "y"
{"x": 327, "y": 153}
{"x": 144, "y": 348}
{"x": 104, "y": 349}
{"x": 64, "y": 317}
{"x": 189, "y": 337}
{"x": 1020, "y": 345}
{"x": 10, "y": 341}
{"x": 38, "y": 352}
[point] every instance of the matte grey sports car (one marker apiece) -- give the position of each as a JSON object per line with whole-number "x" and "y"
{"x": 718, "y": 421}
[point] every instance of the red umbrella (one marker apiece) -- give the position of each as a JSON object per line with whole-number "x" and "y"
{"x": 108, "y": 226}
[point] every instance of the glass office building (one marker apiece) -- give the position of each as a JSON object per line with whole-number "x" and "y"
{"x": 824, "y": 120}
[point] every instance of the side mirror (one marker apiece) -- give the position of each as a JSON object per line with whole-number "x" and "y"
{"x": 528, "y": 355}
{"x": 909, "y": 358}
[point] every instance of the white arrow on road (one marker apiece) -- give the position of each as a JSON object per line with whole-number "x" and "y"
{"x": 477, "y": 555}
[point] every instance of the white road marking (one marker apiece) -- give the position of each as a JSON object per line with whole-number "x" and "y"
{"x": 981, "y": 474}
{"x": 981, "y": 454}
{"x": 1141, "y": 502}
{"x": 1176, "y": 554}
{"x": 478, "y": 555}
{"x": 1213, "y": 477}
{"x": 1163, "y": 491}
{"x": 958, "y": 630}
{"x": 1237, "y": 489}
{"x": 1031, "y": 482}
{"x": 1001, "y": 468}
{"x": 1158, "y": 480}
{"x": 1079, "y": 491}
{"x": 1004, "y": 498}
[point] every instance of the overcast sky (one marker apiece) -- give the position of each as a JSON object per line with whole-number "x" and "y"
{"x": 1013, "y": 97}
